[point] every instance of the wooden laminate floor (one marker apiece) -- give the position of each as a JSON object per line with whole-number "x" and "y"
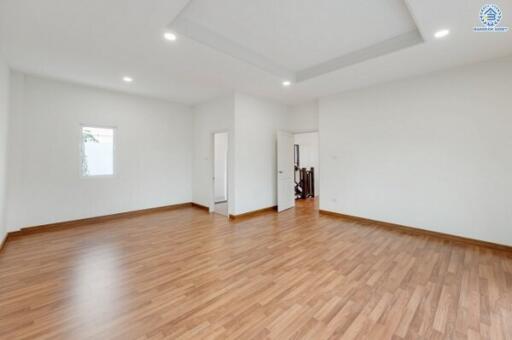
{"x": 190, "y": 275}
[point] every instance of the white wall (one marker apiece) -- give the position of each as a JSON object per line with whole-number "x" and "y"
{"x": 303, "y": 117}
{"x": 211, "y": 117}
{"x": 433, "y": 152}
{"x": 309, "y": 149}
{"x": 256, "y": 123}
{"x": 221, "y": 166}
{"x": 252, "y": 123}
{"x": 153, "y": 152}
{"x": 4, "y": 115}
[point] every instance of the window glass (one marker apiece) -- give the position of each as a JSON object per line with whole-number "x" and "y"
{"x": 97, "y": 151}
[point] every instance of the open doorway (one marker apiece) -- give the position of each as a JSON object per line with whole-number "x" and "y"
{"x": 220, "y": 173}
{"x": 307, "y": 171}
{"x": 298, "y": 170}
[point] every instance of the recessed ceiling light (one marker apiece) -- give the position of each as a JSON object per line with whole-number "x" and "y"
{"x": 441, "y": 33}
{"x": 170, "y": 36}
{"x": 127, "y": 79}
{"x": 287, "y": 83}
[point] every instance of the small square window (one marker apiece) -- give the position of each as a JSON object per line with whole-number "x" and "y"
{"x": 97, "y": 156}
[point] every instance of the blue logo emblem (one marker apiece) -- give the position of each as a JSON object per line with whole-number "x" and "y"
{"x": 490, "y": 17}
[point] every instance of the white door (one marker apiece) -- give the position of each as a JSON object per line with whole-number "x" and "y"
{"x": 285, "y": 168}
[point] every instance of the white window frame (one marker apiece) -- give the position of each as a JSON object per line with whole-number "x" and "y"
{"x": 114, "y": 151}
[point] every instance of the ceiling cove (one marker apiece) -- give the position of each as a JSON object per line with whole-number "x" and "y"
{"x": 276, "y": 42}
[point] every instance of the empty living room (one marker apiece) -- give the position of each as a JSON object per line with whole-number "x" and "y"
{"x": 255, "y": 169}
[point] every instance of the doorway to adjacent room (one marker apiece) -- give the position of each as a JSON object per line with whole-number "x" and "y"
{"x": 220, "y": 172}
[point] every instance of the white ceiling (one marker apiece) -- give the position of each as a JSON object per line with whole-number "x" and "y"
{"x": 96, "y": 42}
{"x": 298, "y": 34}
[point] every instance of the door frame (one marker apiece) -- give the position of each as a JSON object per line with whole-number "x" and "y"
{"x": 212, "y": 169}
{"x": 301, "y": 131}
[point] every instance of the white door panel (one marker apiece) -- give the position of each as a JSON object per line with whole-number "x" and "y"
{"x": 285, "y": 168}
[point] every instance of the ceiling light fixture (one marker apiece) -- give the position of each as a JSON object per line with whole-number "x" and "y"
{"x": 287, "y": 83}
{"x": 127, "y": 79}
{"x": 170, "y": 36}
{"x": 441, "y": 33}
